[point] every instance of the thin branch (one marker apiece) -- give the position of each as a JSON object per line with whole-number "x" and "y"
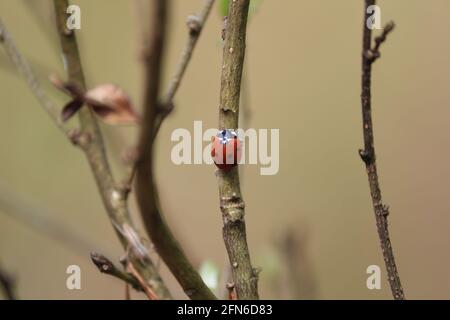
{"x": 144, "y": 284}
{"x": 105, "y": 265}
{"x": 231, "y": 203}
{"x": 25, "y": 70}
{"x": 91, "y": 141}
{"x": 388, "y": 28}
{"x": 369, "y": 56}
{"x": 195, "y": 25}
{"x": 146, "y": 191}
{"x": 88, "y": 138}
{"x": 7, "y": 284}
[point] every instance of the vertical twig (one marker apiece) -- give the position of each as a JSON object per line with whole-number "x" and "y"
{"x": 231, "y": 203}
{"x": 195, "y": 24}
{"x": 146, "y": 191}
{"x": 89, "y": 139}
{"x": 148, "y": 290}
{"x": 369, "y": 56}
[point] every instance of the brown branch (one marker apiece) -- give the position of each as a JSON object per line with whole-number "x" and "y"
{"x": 195, "y": 24}
{"x": 144, "y": 284}
{"x": 25, "y": 70}
{"x": 146, "y": 191}
{"x": 105, "y": 265}
{"x": 89, "y": 139}
{"x": 91, "y": 142}
{"x": 369, "y": 56}
{"x": 245, "y": 278}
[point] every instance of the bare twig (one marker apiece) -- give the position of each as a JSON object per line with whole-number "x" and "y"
{"x": 91, "y": 141}
{"x": 105, "y": 265}
{"x": 146, "y": 191}
{"x": 369, "y": 56}
{"x": 144, "y": 284}
{"x": 7, "y": 284}
{"x": 195, "y": 24}
{"x": 231, "y": 203}
{"x": 24, "y": 68}
{"x": 88, "y": 138}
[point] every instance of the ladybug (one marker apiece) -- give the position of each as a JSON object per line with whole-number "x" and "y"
{"x": 226, "y": 149}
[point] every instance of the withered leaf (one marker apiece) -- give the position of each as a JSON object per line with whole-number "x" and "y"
{"x": 111, "y": 104}
{"x": 107, "y": 101}
{"x": 71, "y": 108}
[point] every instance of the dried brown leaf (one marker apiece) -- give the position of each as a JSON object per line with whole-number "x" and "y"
{"x": 111, "y": 104}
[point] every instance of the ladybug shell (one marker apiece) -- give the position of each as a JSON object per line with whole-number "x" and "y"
{"x": 226, "y": 155}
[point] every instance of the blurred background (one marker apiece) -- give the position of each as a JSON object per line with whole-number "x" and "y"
{"x": 311, "y": 227}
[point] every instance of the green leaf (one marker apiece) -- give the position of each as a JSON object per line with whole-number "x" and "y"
{"x": 223, "y": 7}
{"x": 210, "y": 274}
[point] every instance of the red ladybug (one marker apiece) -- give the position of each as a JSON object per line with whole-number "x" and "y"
{"x": 226, "y": 149}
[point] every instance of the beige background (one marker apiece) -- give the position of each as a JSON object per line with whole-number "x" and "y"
{"x": 304, "y": 78}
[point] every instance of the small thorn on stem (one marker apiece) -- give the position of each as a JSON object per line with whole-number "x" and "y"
{"x": 365, "y": 156}
{"x": 231, "y": 292}
{"x": 165, "y": 108}
{"x": 194, "y": 24}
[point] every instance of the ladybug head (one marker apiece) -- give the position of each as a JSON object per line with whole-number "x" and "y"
{"x": 226, "y": 135}
{"x": 226, "y": 149}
